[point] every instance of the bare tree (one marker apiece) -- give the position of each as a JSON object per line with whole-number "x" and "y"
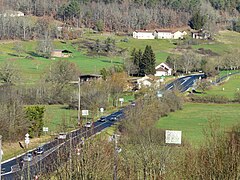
{"x": 9, "y": 73}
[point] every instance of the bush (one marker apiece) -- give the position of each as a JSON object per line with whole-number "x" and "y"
{"x": 237, "y": 97}
{"x": 209, "y": 99}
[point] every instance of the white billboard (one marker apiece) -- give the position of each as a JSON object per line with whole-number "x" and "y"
{"x": 45, "y": 129}
{"x": 173, "y": 137}
{"x": 85, "y": 112}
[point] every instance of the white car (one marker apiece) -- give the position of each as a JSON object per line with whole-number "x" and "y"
{"x": 113, "y": 118}
{"x": 103, "y": 119}
{"x": 62, "y": 136}
{"x": 28, "y": 157}
{"x": 88, "y": 124}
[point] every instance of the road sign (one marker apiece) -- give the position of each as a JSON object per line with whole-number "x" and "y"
{"x": 173, "y": 137}
{"x": 121, "y": 99}
{"x": 85, "y": 112}
{"x": 101, "y": 110}
{"x": 27, "y": 140}
{"x": 45, "y": 129}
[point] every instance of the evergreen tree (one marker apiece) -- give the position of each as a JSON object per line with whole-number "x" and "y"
{"x": 136, "y": 57}
{"x": 148, "y": 62}
{"x": 197, "y": 21}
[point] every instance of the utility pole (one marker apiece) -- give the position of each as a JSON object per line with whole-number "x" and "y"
{"x": 0, "y": 157}
{"x": 116, "y": 151}
{"x": 79, "y": 100}
{"x": 70, "y": 156}
{"x": 115, "y": 158}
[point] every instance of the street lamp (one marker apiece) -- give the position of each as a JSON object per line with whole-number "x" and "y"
{"x": 1, "y": 153}
{"x": 79, "y": 100}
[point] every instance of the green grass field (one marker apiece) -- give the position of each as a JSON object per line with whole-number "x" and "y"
{"x": 32, "y": 67}
{"x": 226, "y": 42}
{"x": 230, "y": 86}
{"x": 194, "y": 118}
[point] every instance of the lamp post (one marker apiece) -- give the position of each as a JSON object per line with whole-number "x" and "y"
{"x": 79, "y": 100}
{"x": 0, "y": 156}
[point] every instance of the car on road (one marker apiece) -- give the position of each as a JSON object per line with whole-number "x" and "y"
{"x": 103, "y": 119}
{"x": 88, "y": 124}
{"x": 133, "y": 103}
{"x": 62, "y": 135}
{"x": 39, "y": 150}
{"x": 28, "y": 157}
{"x": 113, "y": 118}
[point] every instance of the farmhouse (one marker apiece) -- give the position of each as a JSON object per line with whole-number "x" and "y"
{"x": 145, "y": 81}
{"x": 61, "y": 53}
{"x": 158, "y": 34}
{"x": 163, "y": 69}
{"x": 10, "y": 13}
{"x": 143, "y": 34}
{"x": 169, "y": 34}
{"x": 200, "y": 34}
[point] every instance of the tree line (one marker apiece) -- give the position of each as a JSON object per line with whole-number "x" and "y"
{"x": 121, "y": 16}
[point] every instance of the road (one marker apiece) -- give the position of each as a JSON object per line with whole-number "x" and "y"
{"x": 11, "y": 169}
{"x": 184, "y": 83}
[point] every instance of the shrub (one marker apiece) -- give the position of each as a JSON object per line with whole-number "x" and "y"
{"x": 209, "y": 99}
{"x": 237, "y": 97}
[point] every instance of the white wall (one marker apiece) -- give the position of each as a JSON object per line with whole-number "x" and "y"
{"x": 143, "y": 35}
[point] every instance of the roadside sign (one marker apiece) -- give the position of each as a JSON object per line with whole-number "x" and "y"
{"x": 121, "y": 99}
{"x": 45, "y": 129}
{"x": 85, "y": 112}
{"x": 173, "y": 137}
{"x": 101, "y": 110}
{"x": 27, "y": 140}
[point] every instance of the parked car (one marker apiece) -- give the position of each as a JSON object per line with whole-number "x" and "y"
{"x": 28, "y": 157}
{"x": 62, "y": 135}
{"x": 39, "y": 150}
{"x": 88, "y": 124}
{"x": 103, "y": 119}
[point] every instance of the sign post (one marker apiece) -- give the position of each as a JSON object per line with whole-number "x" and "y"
{"x": 121, "y": 100}
{"x": 27, "y": 140}
{"x": 101, "y": 110}
{"x": 45, "y": 129}
{"x": 1, "y": 153}
{"x": 85, "y": 113}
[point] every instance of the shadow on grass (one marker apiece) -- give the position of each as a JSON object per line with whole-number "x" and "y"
{"x": 31, "y": 53}
{"x": 109, "y": 61}
{"x": 15, "y": 55}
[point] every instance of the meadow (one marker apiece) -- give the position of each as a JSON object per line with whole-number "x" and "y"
{"x": 32, "y": 66}
{"x": 194, "y": 117}
{"x": 226, "y": 88}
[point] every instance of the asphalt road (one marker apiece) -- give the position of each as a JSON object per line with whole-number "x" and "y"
{"x": 11, "y": 169}
{"x": 183, "y": 83}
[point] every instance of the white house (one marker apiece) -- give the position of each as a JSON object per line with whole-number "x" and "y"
{"x": 163, "y": 70}
{"x": 10, "y": 13}
{"x": 201, "y": 34}
{"x": 143, "y": 34}
{"x": 163, "y": 34}
{"x": 144, "y": 81}
{"x": 168, "y": 34}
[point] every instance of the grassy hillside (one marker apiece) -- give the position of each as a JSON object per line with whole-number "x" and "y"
{"x": 194, "y": 118}
{"x": 32, "y": 66}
